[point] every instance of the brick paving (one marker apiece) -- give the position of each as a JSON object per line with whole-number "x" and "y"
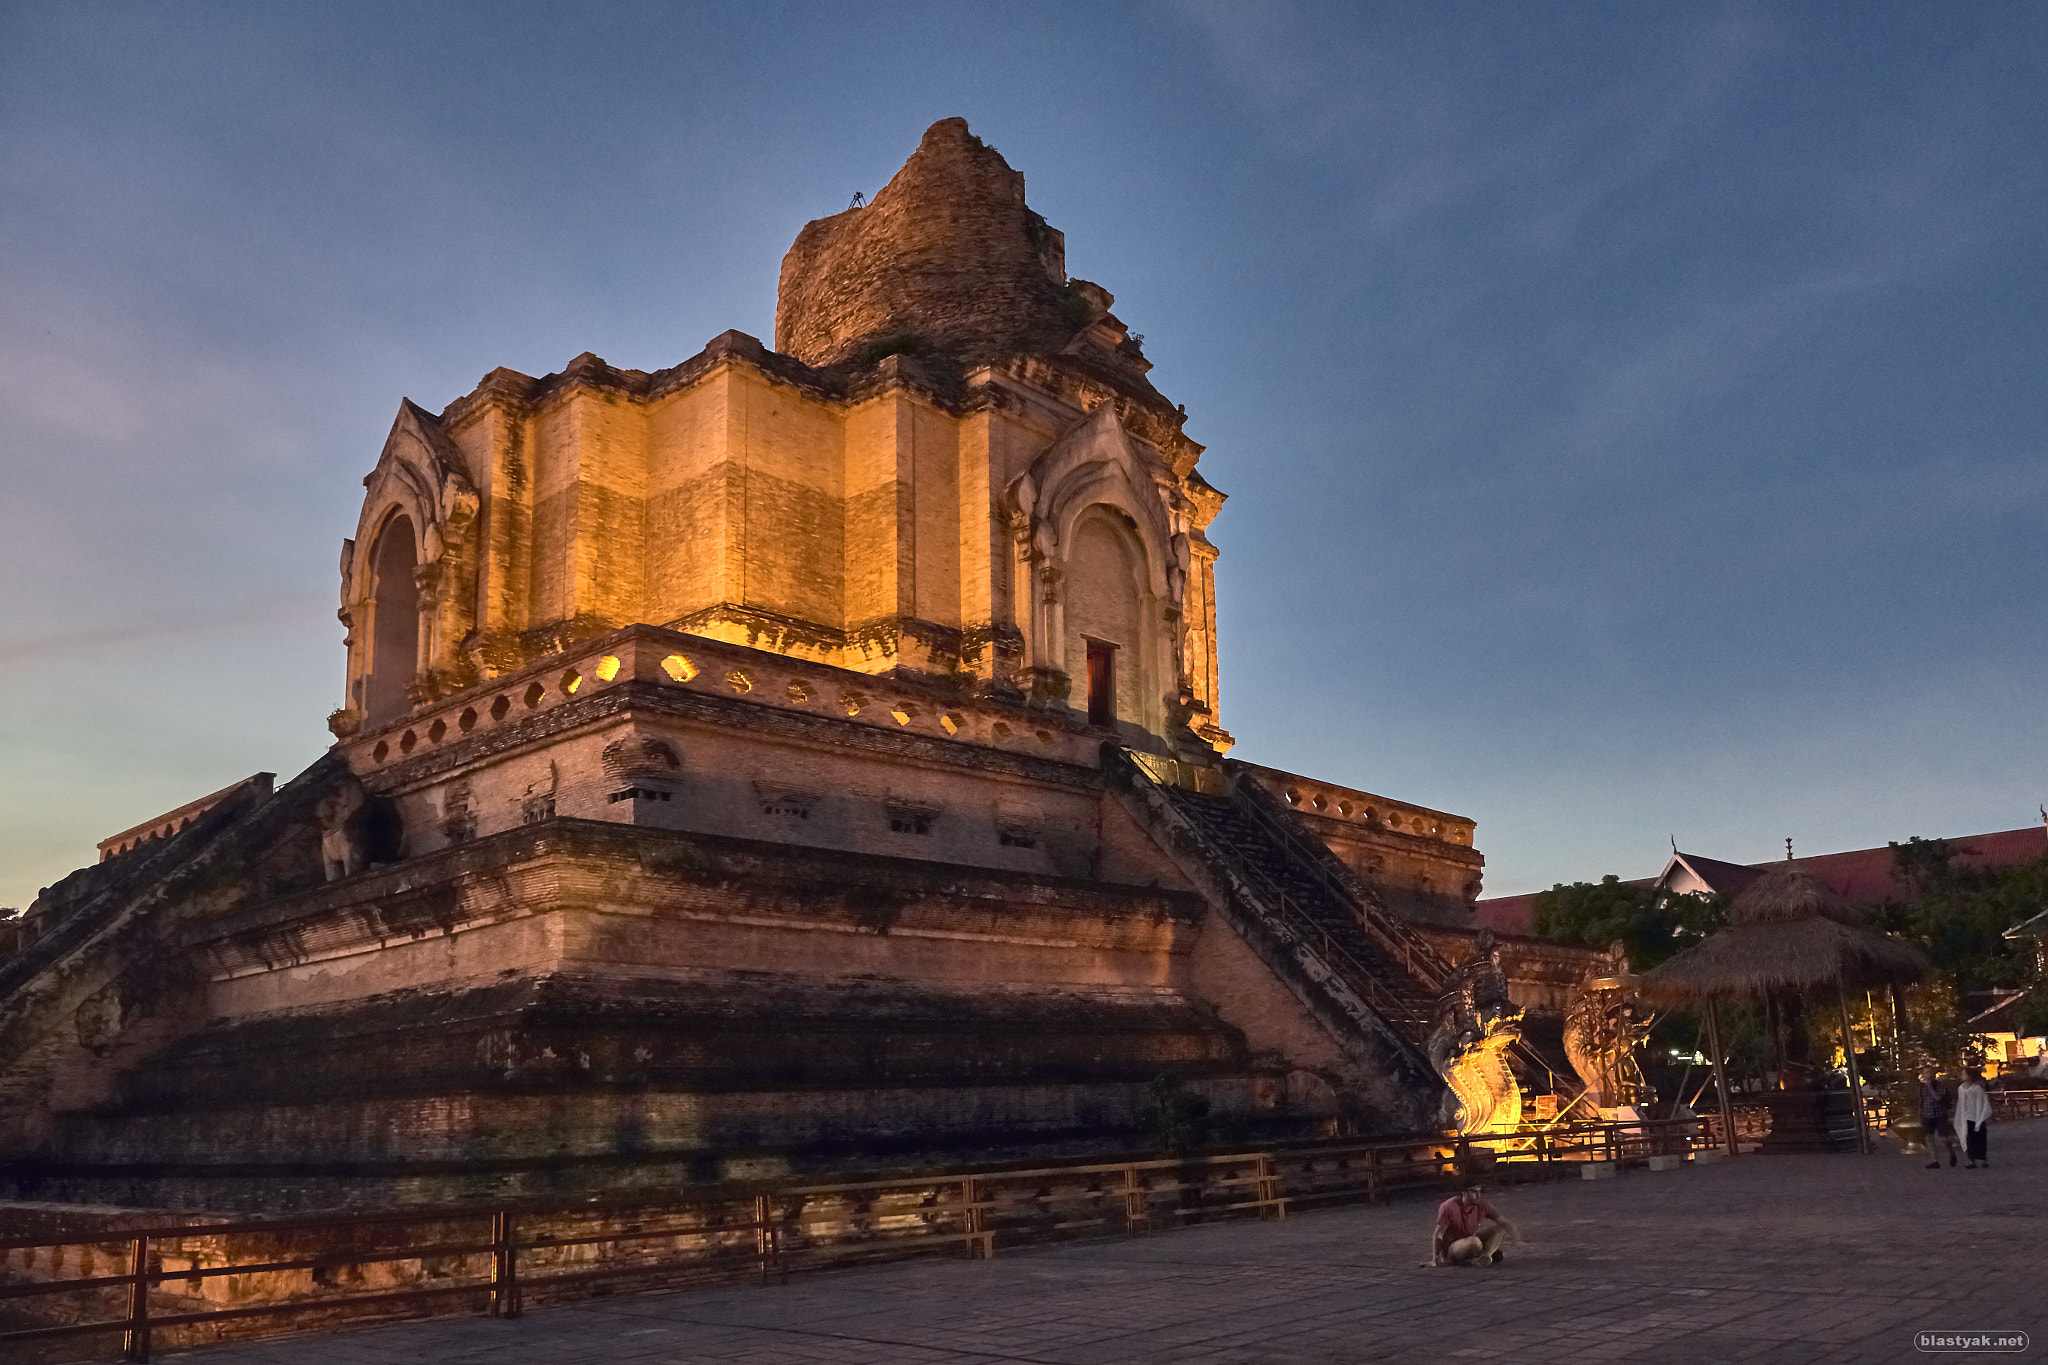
{"x": 1764, "y": 1259}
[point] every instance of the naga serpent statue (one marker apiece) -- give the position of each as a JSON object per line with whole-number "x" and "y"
{"x": 1476, "y": 1023}
{"x": 1604, "y": 1028}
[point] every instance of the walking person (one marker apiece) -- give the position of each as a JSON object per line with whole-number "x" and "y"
{"x": 1934, "y": 1117}
{"x": 1973, "y": 1111}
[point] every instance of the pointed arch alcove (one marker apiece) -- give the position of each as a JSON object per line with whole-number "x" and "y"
{"x": 1106, "y": 550}
{"x": 408, "y": 577}
{"x": 1109, "y": 605}
{"x": 394, "y": 621}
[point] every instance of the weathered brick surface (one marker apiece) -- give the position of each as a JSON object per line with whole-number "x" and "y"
{"x": 740, "y": 793}
{"x": 866, "y": 500}
{"x": 946, "y": 253}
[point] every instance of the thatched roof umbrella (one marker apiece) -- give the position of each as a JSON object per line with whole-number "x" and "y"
{"x": 1787, "y": 934}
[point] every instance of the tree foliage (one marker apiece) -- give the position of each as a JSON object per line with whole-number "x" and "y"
{"x": 1960, "y": 914}
{"x": 1650, "y": 924}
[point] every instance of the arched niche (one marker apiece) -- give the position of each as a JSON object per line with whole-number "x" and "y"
{"x": 1110, "y": 601}
{"x": 394, "y": 620}
{"x": 1094, "y": 484}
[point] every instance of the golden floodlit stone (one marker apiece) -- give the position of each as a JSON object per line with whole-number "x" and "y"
{"x": 807, "y": 757}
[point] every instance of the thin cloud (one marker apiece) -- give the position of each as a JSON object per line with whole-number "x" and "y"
{"x": 1421, "y": 137}
{"x": 294, "y": 610}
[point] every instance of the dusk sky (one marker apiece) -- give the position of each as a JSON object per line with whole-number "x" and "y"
{"x": 1635, "y": 417}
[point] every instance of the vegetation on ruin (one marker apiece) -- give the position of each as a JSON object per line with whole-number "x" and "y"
{"x": 899, "y": 342}
{"x": 1176, "y": 1115}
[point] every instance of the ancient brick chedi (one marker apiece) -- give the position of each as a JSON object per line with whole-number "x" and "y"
{"x": 796, "y": 759}
{"x": 908, "y": 484}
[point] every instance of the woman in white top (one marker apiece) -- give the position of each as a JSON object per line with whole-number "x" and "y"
{"x": 1973, "y": 1111}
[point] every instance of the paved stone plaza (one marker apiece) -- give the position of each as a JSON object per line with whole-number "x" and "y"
{"x": 1774, "y": 1259}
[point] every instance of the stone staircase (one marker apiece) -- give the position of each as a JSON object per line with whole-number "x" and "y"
{"x": 1309, "y": 918}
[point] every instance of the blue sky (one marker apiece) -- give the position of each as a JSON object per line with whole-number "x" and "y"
{"x": 1634, "y": 416}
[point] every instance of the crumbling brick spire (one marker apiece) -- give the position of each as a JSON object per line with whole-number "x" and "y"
{"x": 946, "y": 262}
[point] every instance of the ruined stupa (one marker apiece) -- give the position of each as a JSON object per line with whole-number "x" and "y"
{"x": 797, "y": 759}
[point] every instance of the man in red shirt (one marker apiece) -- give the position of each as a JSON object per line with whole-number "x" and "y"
{"x": 1469, "y": 1231}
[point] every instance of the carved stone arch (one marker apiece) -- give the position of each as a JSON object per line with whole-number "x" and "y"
{"x": 419, "y": 476}
{"x": 1115, "y": 639}
{"x": 1094, "y": 469}
{"x": 1146, "y": 577}
{"x": 418, "y": 471}
{"x": 392, "y": 618}
{"x": 1095, "y": 462}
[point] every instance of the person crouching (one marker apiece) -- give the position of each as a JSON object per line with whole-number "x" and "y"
{"x": 1469, "y": 1231}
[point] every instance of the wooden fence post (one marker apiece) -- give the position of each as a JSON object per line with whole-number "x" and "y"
{"x": 981, "y": 1243}
{"x": 135, "y": 1341}
{"x": 1271, "y": 1205}
{"x": 1721, "y": 1079}
{"x": 764, "y": 1236}
{"x": 504, "y": 1266}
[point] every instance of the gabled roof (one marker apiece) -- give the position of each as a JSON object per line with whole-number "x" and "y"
{"x": 2002, "y": 1017}
{"x": 1507, "y": 914}
{"x": 1865, "y": 874}
{"x": 1723, "y": 879}
{"x": 2037, "y": 927}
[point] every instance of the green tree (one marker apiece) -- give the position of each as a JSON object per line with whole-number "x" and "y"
{"x": 1651, "y": 924}
{"x": 2034, "y": 1010}
{"x": 1960, "y": 915}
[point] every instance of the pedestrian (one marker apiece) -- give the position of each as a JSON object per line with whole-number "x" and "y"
{"x": 1973, "y": 1111}
{"x": 1468, "y": 1231}
{"x": 1934, "y": 1117}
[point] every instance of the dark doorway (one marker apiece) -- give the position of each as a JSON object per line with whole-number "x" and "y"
{"x": 394, "y": 623}
{"x": 1101, "y": 683}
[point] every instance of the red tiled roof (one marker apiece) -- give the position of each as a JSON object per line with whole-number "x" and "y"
{"x": 1863, "y": 874}
{"x": 1866, "y": 873}
{"x": 1507, "y": 914}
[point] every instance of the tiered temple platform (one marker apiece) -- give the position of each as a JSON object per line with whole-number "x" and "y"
{"x": 798, "y": 758}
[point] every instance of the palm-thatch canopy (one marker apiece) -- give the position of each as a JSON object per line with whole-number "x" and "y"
{"x": 1786, "y": 932}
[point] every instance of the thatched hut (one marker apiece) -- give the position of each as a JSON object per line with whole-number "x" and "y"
{"x": 1789, "y": 941}
{"x": 1786, "y": 932}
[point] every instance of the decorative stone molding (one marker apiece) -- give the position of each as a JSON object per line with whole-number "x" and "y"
{"x": 419, "y": 475}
